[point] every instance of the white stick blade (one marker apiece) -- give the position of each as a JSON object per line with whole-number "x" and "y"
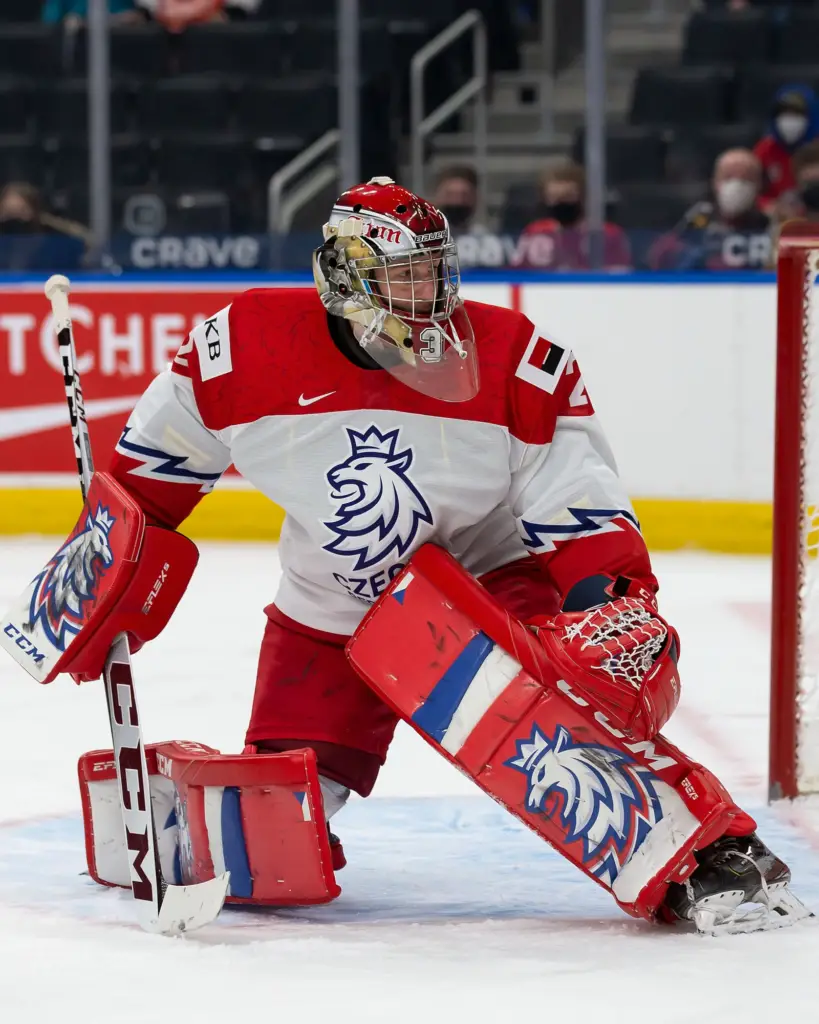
{"x": 186, "y": 907}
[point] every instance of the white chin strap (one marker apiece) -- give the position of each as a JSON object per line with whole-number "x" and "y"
{"x": 373, "y": 329}
{"x": 455, "y": 341}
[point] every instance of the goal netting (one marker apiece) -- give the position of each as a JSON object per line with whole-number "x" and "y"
{"x": 794, "y": 738}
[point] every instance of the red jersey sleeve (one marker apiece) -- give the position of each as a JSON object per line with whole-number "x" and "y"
{"x": 569, "y": 504}
{"x": 167, "y": 458}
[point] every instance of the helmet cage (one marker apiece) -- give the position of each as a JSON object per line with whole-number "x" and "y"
{"x": 375, "y": 271}
{"x": 379, "y": 276}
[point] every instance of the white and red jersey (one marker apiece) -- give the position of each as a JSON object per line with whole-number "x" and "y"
{"x": 367, "y": 470}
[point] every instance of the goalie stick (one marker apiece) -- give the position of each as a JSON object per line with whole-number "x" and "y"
{"x": 167, "y": 909}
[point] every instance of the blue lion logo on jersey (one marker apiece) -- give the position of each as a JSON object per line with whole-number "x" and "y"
{"x": 606, "y": 799}
{"x": 69, "y": 581}
{"x": 379, "y": 508}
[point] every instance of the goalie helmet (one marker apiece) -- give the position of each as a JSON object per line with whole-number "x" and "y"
{"x": 389, "y": 267}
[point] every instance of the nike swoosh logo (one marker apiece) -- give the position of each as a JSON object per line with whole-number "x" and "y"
{"x": 318, "y": 398}
{"x": 32, "y": 419}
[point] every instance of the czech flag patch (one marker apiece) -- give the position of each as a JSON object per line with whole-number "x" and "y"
{"x": 543, "y": 363}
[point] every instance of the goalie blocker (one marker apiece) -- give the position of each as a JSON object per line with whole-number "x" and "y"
{"x": 114, "y": 574}
{"x": 518, "y": 713}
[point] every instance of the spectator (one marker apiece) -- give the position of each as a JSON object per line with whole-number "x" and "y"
{"x": 794, "y": 122}
{"x": 729, "y": 232}
{"x": 802, "y": 202}
{"x": 560, "y": 240}
{"x": 20, "y": 209}
{"x": 806, "y": 175}
{"x": 31, "y": 238}
{"x": 74, "y": 12}
{"x": 456, "y": 196}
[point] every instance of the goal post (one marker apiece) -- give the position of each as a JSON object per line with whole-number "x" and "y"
{"x": 794, "y": 711}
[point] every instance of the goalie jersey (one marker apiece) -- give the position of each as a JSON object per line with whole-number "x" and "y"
{"x": 367, "y": 469}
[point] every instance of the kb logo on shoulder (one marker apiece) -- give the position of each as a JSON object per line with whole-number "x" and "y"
{"x": 379, "y": 510}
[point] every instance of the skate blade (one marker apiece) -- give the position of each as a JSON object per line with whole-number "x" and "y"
{"x": 187, "y": 907}
{"x": 732, "y": 913}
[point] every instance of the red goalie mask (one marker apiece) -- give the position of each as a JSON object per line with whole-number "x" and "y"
{"x": 389, "y": 266}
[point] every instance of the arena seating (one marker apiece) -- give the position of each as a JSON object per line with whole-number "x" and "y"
{"x": 645, "y": 205}
{"x": 217, "y": 108}
{"x": 728, "y": 37}
{"x": 799, "y": 38}
{"x": 31, "y": 49}
{"x": 691, "y": 152}
{"x": 685, "y": 95}
{"x": 633, "y": 153}
{"x": 755, "y": 87}
{"x": 718, "y": 97}
{"x": 18, "y": 11}
{"x": 143, "y": 51}
{"x": 20, "y": 160}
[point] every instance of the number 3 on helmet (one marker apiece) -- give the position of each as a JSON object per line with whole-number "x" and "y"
{"x": 389, "y": 267}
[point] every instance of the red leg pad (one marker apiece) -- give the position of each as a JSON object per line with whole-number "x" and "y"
{"x": 261, "y": 817}
{"x": 472, "y": 680}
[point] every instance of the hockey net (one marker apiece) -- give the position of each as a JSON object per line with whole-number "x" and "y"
{"x": 794, "y": 735}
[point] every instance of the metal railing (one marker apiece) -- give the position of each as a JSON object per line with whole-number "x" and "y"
{"x": 281, "y": 207}
{"x": 563, "y": 29}
{"x": 474, "y": 89}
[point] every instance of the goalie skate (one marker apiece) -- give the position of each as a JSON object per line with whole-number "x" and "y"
{"x": 739, "y": 886}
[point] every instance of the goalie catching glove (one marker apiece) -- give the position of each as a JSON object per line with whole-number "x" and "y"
{"x": 621, "y": 655}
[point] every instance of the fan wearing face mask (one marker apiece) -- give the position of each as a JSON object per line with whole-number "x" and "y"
{"x": 737, "y": 184}
{"x": 456, "y": 196}
{"x": 794, "y": 122}
{"x": 727, "y": 232}
{"x": 559, "y": 239}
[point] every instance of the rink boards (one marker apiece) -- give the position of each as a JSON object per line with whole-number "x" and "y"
{"x": 680, "y": 369}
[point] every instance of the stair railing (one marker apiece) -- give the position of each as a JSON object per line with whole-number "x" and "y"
{"x": 421, "y": 125}
{"x": 281, "y": 206}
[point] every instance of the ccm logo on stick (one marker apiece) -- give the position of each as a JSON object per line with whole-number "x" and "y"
{"x": 133, "y": 779}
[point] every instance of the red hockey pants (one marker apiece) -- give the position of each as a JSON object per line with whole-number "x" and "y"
{"x": 308, "y": 695}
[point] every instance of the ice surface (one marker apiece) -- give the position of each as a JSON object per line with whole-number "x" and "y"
{"x": 450, "y": 909}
